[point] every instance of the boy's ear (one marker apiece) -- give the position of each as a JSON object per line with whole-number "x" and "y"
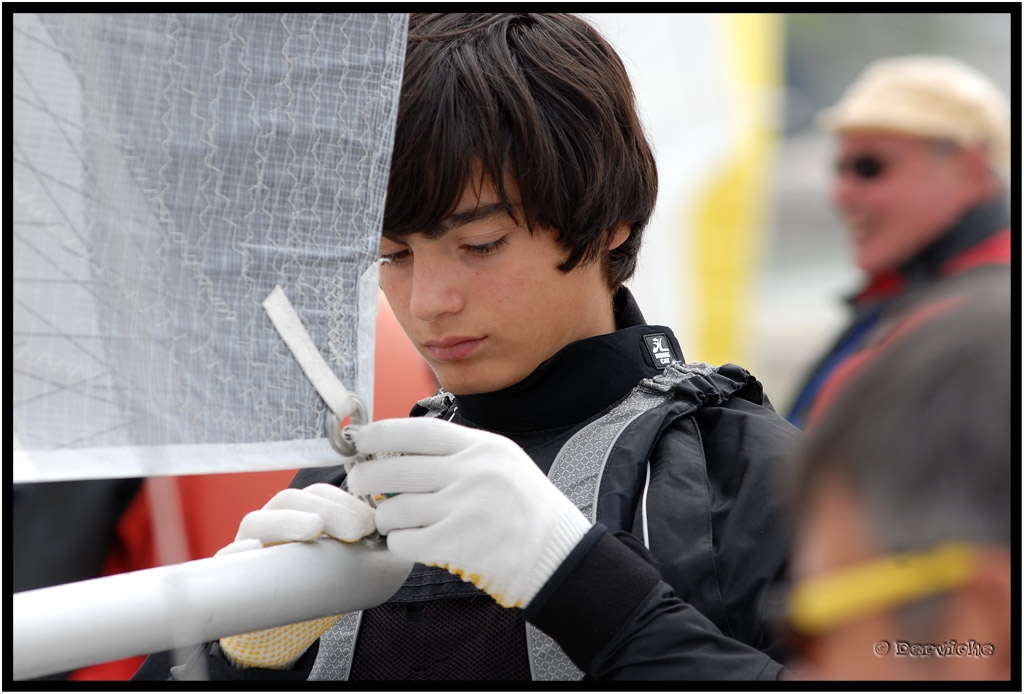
{"x": 618, "y": 236}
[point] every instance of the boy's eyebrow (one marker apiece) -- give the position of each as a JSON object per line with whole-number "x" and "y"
{"x": 459, "y": 219}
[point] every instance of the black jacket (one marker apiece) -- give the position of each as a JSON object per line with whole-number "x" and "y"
{"x": 708, "y": 509}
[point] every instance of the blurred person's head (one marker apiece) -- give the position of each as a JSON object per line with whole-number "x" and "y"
{"x": 901, "y": 495}
{"x": 520, "y": 186}
{"x": 920, "y": 140}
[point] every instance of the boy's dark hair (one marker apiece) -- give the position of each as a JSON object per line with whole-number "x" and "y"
{"x": 545, "y": 106}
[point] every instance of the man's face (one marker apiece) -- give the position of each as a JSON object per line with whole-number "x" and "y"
{"x": 896, "y": 194}
{"x": 483, "y": 300}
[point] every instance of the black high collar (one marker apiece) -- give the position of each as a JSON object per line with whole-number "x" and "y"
{"x": 578, "y": 382}
{"x": 976, "y": 225}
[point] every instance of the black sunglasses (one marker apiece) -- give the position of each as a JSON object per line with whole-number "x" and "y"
{"x": 864, "y": 167}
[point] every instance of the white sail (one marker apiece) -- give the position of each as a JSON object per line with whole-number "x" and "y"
{"x": 169, "y": 172}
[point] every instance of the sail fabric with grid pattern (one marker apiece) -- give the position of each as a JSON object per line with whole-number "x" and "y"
{"x": 169, "y": 170}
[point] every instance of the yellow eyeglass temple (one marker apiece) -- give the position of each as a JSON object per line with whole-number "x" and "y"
{"x": 820, "y": 604}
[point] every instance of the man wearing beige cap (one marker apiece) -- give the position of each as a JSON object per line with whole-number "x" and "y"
{"x": 922, "y": 171}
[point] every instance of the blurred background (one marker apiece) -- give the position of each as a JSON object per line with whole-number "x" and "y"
{"x": 744, "y": 258}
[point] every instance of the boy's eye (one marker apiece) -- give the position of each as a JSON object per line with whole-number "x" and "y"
{"x": 396, "y": 257}
{"x": 486, "y": 248}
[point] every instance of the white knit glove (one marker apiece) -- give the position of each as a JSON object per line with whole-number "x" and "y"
{"x": 467, "y": 500}
{"x": 293, "y": 515}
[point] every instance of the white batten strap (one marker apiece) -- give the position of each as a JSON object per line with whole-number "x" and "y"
{"x": 288, "y": 324}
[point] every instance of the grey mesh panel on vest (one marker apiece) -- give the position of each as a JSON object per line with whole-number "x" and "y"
{"x": 334, "y": 661}
{"x": 576, "y": 471}
{"x": 548, "y": 662}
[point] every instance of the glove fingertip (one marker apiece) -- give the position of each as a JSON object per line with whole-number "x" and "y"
{"x": 423, "y": 435}
{"x": 248, "y": 520}
{"x": 270, "y": 527}
{"x": 285, "y": 499}
{"x": 400, "y": 544}
{"x": 352, "y": 527}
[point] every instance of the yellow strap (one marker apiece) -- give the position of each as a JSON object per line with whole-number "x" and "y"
{"x": 819, "y": 604}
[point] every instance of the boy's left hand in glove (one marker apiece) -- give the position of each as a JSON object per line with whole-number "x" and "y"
{"x": 293, "y": 515}
{"x": 467, "y": 500}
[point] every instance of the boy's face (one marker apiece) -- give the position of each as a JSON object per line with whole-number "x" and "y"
{"x": 483, "y": 300}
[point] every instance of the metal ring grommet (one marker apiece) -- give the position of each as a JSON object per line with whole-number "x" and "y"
{"x": 341, "y": 441}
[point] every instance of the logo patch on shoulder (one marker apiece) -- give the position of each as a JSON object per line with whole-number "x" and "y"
{"x": 661, "y": 349}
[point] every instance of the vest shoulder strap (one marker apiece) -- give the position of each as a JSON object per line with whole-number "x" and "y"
{"x": 577, "y": 472}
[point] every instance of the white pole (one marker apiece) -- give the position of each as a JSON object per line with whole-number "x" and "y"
{"x": 77, "y": 624}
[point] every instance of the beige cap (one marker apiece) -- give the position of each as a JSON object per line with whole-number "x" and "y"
{"x": 929, "y": 96}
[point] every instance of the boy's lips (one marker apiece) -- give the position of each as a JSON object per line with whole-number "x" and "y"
{"x": 453, "y": 348}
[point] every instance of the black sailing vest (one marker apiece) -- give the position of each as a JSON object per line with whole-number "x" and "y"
{"x": 577, "y": 471}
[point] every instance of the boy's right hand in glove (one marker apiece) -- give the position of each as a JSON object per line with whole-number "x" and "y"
{"x": 293, "y": 515}
{"x": 468, "y": 500}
